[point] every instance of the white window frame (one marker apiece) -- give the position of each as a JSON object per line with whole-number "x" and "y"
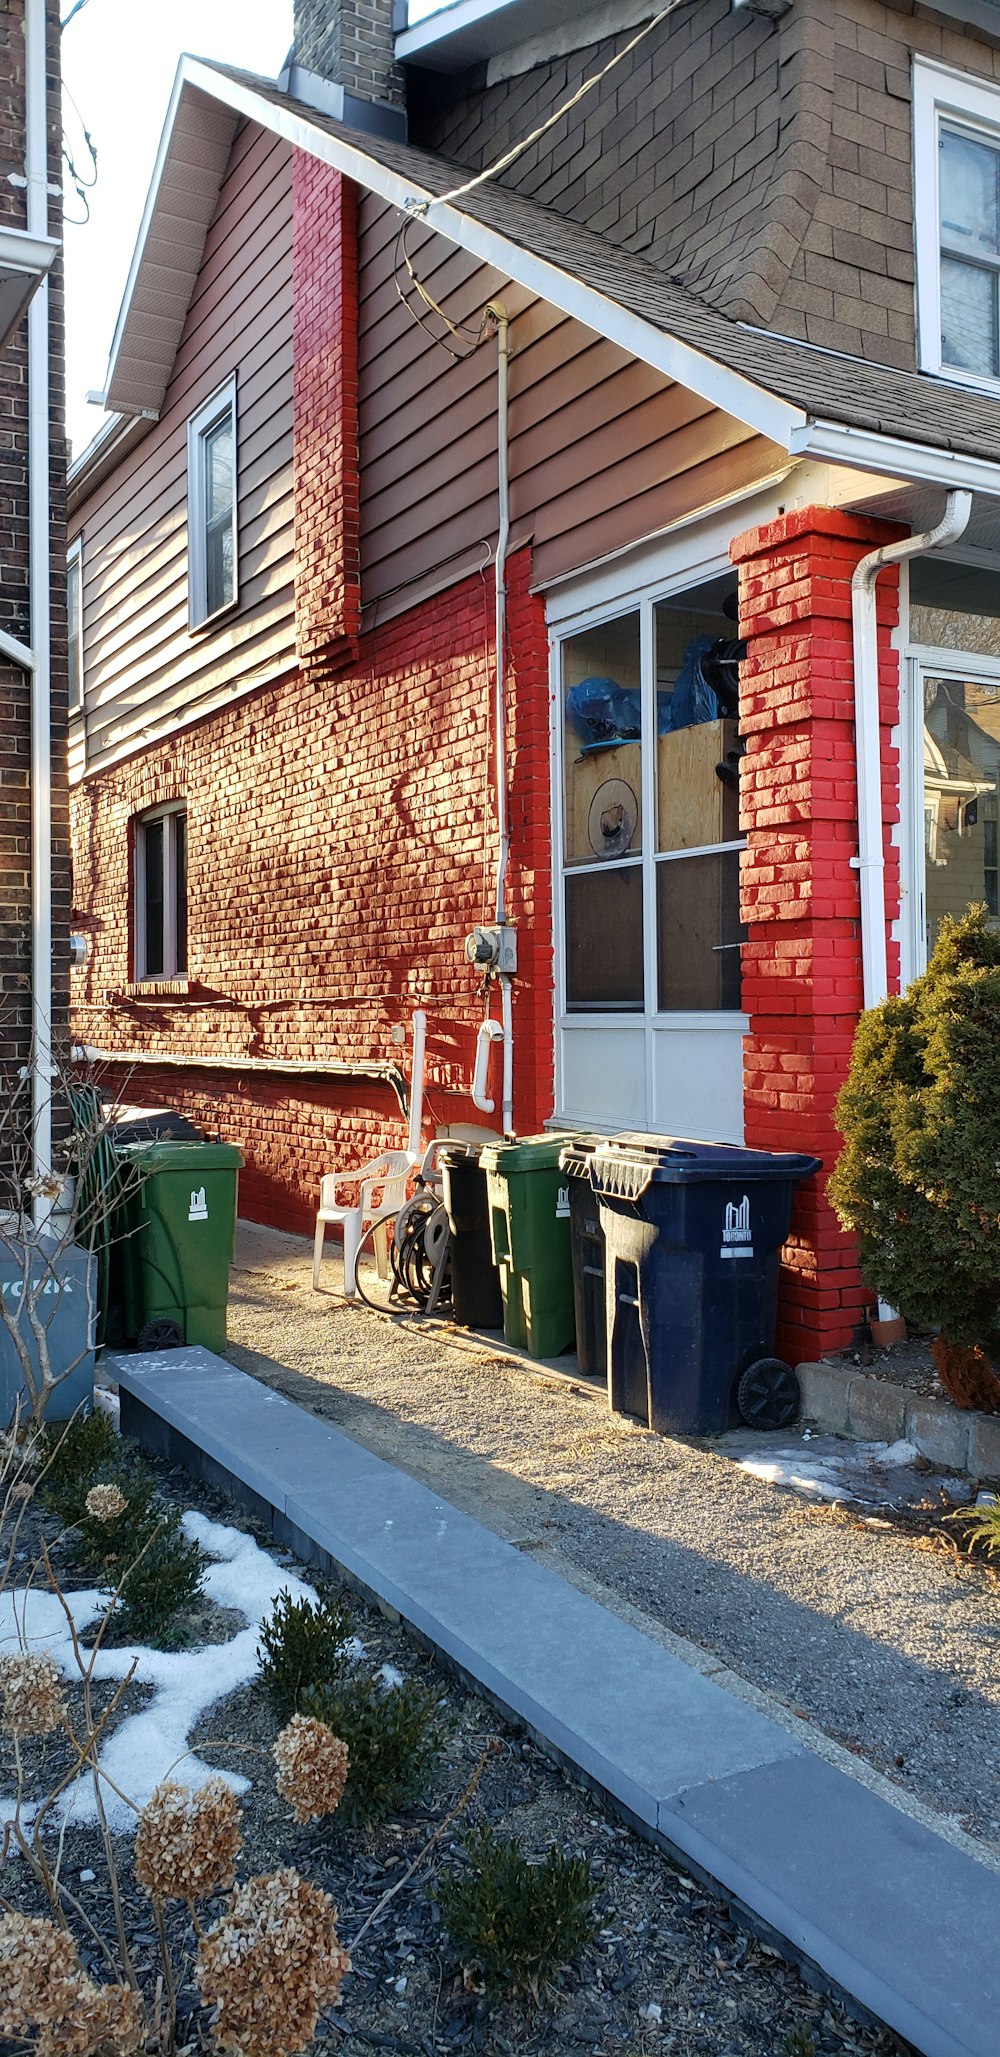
{"x": 215, "y": 409}
{"x": 168, "y": 814}
{"x": 643, "y": 602}
{"x": 940, "y": 94}
{"x": 74, "y": 563}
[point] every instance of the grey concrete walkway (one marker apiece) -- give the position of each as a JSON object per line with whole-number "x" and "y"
{"x": 896, "y": 1915}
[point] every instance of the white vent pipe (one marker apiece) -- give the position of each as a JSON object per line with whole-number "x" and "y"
{"x": 870, "y": 860}
{"x": 417, "y": 1081}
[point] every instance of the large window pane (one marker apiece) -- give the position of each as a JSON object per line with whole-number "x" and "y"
{"x": 604, "y": 939}
{"x": 699, "y": 932}
{"x": 970, "y": 214}
{"x": 961, "y": 784}
{"x": 602, "y": 743}
{"x": 955, "y": 606}
{"x": 180, "y": 890}
{"x": 968, "y": 317}
{"x": 218, "y": 461}
{"x": 697, "y": 741}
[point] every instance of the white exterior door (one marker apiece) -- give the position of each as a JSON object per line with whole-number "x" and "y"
{"x": 646, "y": 839}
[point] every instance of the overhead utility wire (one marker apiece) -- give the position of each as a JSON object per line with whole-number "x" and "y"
{"x": 420, "y": 207}
{"x": 67, "y": 18}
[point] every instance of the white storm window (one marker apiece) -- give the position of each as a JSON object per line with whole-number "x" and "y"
{"x": 212, "y": 568}
{"x": 161, "y": 893}
{"x": 74, "y": 624}
{"x": 956, "y": 131}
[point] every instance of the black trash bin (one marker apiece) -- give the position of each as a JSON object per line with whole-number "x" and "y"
{"x": 475, "y": 1280}
{"x": 694, "y": 1234}
{"x": 587, "y": 1243}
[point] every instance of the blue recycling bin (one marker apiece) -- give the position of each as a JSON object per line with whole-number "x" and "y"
{"x": 694, "y": 1234}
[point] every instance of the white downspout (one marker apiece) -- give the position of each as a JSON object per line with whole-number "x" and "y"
{"x": 870, "y": 860}
{"x": 37, "y": 179}
{"x": 497, "y": 313}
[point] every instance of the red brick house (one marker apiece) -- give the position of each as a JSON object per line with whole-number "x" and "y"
{"x": 726, "y": 325}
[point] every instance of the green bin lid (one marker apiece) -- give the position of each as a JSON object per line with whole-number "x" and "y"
{"x": 172, "y": 1155}
{"x": 528, "y": 1153}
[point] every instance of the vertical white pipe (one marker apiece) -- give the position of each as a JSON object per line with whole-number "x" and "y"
{"x": 417, "y": 1081}
{"x": 871, "y": 855}
{"x": 870, "y": 859}
{"x": 37, "y": 176}
{"x": 507, "y": 1091}
{"x": 498, "y": 315}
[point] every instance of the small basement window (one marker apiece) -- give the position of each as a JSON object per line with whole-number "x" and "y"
{"x": 160, "y": 937}
{"x": 212, "y": 564}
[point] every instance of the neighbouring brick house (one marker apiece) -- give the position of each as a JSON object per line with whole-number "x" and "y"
{"x": 34, "y": 809}
{"x": 749, "y": 284}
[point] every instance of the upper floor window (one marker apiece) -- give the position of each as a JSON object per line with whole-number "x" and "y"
{"x": 74, "y": 620}
{"x": 212, "y": 569}
{"x": 956, "y": 129}
{"x": 160, "y": 936}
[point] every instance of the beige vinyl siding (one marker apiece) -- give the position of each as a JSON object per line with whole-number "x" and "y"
{"x": 145, "y": 669}
{"x": 603, "y": 450}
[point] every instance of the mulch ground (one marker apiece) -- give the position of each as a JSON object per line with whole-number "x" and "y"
{"x": 672, "y": 1968}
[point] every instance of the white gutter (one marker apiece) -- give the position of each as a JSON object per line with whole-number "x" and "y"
{"x": 870, "y": 860}
{"x": 37, "y": 179}
{"x": 836, "y": 442}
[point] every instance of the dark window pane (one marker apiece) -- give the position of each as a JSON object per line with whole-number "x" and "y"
{"x": 602, "y": 746}
{"x": 152, "y": 845}
{"x": 604, "y": 939}
{"x": 180, "y": 888}
{"x": 961, "y": 786}
{"x": 699, "y": 932}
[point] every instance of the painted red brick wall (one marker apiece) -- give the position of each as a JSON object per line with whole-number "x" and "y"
{"x": 342, "y": 842}
{"x": 802, "y": 965}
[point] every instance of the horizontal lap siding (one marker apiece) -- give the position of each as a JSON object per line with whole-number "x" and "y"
{"x": 144, "y": 667}
{"x": 603, "y": 450}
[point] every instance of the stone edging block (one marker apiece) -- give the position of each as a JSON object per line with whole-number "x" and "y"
{"x": 844, "y": 1403}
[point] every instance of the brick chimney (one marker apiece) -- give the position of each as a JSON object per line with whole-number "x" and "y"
{"x": 343, "y": 63}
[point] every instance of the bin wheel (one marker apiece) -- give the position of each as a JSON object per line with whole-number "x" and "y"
{"x": 768, "y": 1394}
{"x": 160, "y": 1334}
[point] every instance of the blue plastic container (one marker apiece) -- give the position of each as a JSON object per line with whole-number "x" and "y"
{"x": 694, "y": 1233}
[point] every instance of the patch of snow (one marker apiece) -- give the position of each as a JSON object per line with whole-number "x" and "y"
{"x": 107, "y": 1402}
{"x": 892, "y": 1456}
{"x": 152, "y": 1744}
{"x": 390, "y": 1676}
{"x": 829, "y": 1475}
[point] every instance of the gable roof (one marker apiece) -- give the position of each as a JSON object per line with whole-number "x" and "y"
{"x": 812, "y": 402}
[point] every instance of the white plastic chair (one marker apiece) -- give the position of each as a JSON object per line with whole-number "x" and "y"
{"x": 382, "y": 1192}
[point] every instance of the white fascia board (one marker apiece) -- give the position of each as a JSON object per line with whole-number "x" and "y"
{"x": 735, "y": 395}
{"x": 152, "y": 197}
{"x": 891, "y": 456}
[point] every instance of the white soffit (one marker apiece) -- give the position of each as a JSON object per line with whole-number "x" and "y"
{"x": 190, "y": 167}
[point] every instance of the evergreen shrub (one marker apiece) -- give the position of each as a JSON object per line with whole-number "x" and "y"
{"x": 394, "y": 1735}
{"x": 301, "y": 1646}
{"x": 918, "y": 1179}
{"x": 519, "y": 1922}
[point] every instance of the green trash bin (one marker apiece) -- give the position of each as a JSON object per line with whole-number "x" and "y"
{"x": 530, "y": 1233}
{"x": 180, "y": 1222}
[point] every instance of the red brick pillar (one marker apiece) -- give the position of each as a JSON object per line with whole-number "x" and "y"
{"x": 802, "y": 985}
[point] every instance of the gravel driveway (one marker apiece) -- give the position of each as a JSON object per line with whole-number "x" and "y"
{"x": 889, "y": 1650}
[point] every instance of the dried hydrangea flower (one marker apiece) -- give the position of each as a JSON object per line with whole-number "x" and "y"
{"x": 271, "y": 1966}
{"x": 23, "y": 1490}
{"x": 32, "y": 1690}
{"x": 45, "y": 1993}
{"x": 312, "y": 1767}
{"x": 105, "y": 1503}
{"x": 188, "y": 1840}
